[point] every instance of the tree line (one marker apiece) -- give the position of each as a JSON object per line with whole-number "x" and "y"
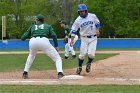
{"x": 119, "y": 18}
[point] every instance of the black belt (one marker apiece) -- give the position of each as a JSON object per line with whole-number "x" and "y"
{"x": 38, "y": 36}
{"x": 90, "y": 36}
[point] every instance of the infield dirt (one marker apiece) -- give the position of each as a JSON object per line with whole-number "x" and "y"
{"x": 120, "y": 69}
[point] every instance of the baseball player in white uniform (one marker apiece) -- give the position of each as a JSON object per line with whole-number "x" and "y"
{"x": 89, "y": 26}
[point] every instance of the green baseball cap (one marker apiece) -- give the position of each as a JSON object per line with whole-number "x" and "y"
{"x": 62, "y": 22}
{"x": 39, "y": 16}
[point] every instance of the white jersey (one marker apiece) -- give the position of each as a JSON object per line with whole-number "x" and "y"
{"x": 87, "y": 25}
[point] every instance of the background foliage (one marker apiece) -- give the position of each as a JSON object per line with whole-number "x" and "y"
{"x": 119, "y": 18}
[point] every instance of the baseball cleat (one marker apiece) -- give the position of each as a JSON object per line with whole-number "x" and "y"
{"x": 79, "y": 69}
{"x": 66, "y": 57}
{"x": 60, "y": 75}
{"x": 25, "y": 75}
{"x": 88, "y": 67}
{"x": 73, "y": 56}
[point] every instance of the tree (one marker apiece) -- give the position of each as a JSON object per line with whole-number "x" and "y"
{"x": 119, "y": 18}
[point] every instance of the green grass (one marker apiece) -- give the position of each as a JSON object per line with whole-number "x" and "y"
{"x": 69, "y": 89}
{"x": 13, "y": 62}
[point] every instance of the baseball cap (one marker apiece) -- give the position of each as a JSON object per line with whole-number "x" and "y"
{"x": 39, "y": 16}
{"x": 62, "y": 22}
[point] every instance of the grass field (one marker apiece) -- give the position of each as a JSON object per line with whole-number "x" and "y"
{"x": 13, "y": 62}
{"x": 69, "y": 89}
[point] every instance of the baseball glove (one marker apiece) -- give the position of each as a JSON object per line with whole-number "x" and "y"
{"x": 65, "y": 40}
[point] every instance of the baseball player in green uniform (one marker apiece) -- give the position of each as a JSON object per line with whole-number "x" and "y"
{"x": 39, "y": 33}
{"x": 67, "y": 40}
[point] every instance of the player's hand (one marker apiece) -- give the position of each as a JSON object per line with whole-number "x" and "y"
{"x": 66, "y": 36}
{"x": 97, "y": 32}
{"x": 65, "y": 40}
{"x": 71, "y": 43}
{"x": 57, "y": 49}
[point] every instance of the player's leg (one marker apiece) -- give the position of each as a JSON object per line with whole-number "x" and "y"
{"x": 49, "y": 50}
{"x": 66, "y": 51}
{"x": 83, "y": 51}
{"x": 53, "y": 54}
{"x": 31, "y": 57}
{"x": 29, "y": 62}
{"x": 72, "y": 52}
{"x": 91, "y": 54}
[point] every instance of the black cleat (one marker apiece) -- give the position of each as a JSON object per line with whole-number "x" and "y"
{"x": 88, "y": 67}
{"x": 66, "y": 57}
{"x": 73, "y": 56}
{"x": 79, "y": 69}
{"x": 60, "y": 75}
{"x": 25, "y": 75}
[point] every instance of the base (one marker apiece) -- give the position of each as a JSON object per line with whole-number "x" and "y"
{"x": 69, "y": 77}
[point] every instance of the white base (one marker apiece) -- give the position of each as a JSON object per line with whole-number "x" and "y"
{"x": 69, "y": 77}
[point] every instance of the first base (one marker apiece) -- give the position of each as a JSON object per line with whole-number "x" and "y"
{"x": 71, "y": 77}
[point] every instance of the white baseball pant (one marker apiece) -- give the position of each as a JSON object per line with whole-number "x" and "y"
{"x": 44, "y": 45}
{"x": 88, "y": 45}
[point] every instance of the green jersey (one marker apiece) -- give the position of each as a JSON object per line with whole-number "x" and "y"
{"x": 40, "y": 30}
{"x": 67, "y": 30}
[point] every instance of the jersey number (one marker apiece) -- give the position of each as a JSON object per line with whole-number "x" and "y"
{"x": 91, "y": 27}
{"x": 39, "y": 27}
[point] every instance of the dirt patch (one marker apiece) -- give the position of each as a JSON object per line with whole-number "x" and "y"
{"x": 120, "y": 69}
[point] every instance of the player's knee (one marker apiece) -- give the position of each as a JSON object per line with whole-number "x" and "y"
{"x": 91, "y": 56}
{"x": 57, "y": 59}
{"x": 82, "y": 57}
{"x": 32, "y": 54}
{"x": 31, "y": 57}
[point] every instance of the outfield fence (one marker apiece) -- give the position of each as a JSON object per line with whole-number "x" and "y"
{"x": 107, "y": 43}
